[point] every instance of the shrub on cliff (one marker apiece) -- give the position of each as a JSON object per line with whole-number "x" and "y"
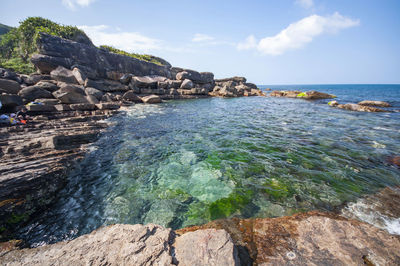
{"x": 17, "y": 45}
{"x": 144, "y": 57}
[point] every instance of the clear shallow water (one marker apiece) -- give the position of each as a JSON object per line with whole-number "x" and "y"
{"x": 183, "y": 163}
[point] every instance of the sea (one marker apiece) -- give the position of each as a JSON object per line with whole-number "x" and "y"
{"x": 187, "y": 162}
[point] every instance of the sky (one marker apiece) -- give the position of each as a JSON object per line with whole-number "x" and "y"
{"x": 268, "y": 42}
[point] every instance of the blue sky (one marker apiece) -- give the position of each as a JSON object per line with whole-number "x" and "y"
{"x": 269, "y": 42}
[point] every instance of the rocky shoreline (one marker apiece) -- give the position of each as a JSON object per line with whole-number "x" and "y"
{"x": 67, "y": 103}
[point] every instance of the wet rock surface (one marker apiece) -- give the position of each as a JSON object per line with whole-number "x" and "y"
{"x": 312, "y": 238}
{"x": 374, "y": 103}
{"x": 308, "y": 95}
{"x": 356, "y": 107}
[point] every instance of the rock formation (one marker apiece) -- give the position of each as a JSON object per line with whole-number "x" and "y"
{"x": 355, "y": 107}
{"x": 374, "y": 103}
{"x": 304, "y": 239}
{"x": 308, "y": 95}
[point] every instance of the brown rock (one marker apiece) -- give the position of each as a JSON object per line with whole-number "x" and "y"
{"x": 47, "y": 85}
{"x": 315, "y": 95}
{"x": 70, "y": 94}
{"x": 151, "y": 99}
{"x": 374, "y": 103}
{"x": 311, "y": 238}
{"x": 79, "y": 75}
{"x": 94, "y": 92}
{"x": 9, "y": 86}
{"x": 40, "y": 108}
{"x": 206, "y": 247}
{"x": 112, "y": 245}
{"x": 359, "y": 108}
{"x": 395, "y": 160}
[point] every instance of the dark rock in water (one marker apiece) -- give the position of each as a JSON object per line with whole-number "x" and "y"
{"x": 374, "y": 103}
{"x": 46, "y": 85}
{"x": 70, "y": 94}
{"x": 10, "y": 101}
{"x": 187, "y": 84}
{"x": 395, "y": 160}
{"x": 151, "y": 99}
{"x": 9, "y": 86}
{"x": 132, "y": 97}
{"x": 94, "y": 92}
{"x": 55, "y": 51}
{"x": 34, "y": 92}
{"x": 64, "y": 75}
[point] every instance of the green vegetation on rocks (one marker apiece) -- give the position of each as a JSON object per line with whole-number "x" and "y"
{"x": 144, "y": 57}
{"x": 18, "y": 44}
{"x": 4, "y": 29}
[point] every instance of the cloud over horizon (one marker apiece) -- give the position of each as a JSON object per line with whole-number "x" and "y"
{"x": 73, "y": 3}
{"x": 127, "y": 41}
{"x": 199, "y": 37}
{"x": 298, "y": 34}
{"x": 305, "y": 3}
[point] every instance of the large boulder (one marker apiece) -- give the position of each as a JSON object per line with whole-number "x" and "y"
{"x": 34, "y": 92}
{"x": 196, "y": 77}
{"x": 10, "y": 101}
{"x": 235, "y": 79}
{"x": 206, "y": 247}
{"x": 39, "y": 108}
{"x": 9, "y": 86}
{"x": 132, "y": 97}
{"x": 47, "y": 85}
{"x": 151, "y": 99}
{"x": 144, "y": 82}
{"x": 63, "y": 74}
{"x": 375, "y": 103}
{"x": 71, "y": 94}
{"x": 55, "y": 51}
{"x": 106, "y": 85}
{"x": 187, "y": 84}
{"x": 126, "y": 78}
{"x": 315, "y": 95}
{"x": 94, "y": 92}
{"x": 34, "y": 78}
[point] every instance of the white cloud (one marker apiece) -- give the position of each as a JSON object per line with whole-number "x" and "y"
{"x": 305, "y": 3}
{"x": 198, "y": 37}
{"x": 249, "y": 43}
{"x": 127, "y": 41}
{"x": 298, "y": 34}
{"x": 73, "y": 3}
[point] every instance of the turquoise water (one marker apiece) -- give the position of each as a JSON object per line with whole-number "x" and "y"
{"x": 187, "y": 162}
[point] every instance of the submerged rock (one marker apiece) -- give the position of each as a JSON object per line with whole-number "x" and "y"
{"x": 374, "y": 103}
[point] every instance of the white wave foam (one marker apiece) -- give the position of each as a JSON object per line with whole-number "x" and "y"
{"x": 361, "y": 210}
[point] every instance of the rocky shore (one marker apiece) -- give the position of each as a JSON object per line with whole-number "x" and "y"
{"x": 67, "y": 103}
{"x": 312, "y": 238}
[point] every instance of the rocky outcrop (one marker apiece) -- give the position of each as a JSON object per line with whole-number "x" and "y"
{"x": 55, "y": 51}
{"x": 113, "y": 245}
{"x": 36, "y": 158}
{"x": 355, "y": 107}
{"x": 309, "y": 239}
{"x": 308, "y": 95}
{"x": 374, "y": 103}
{"x": 235, "y": 87}
{"x": 312, "y": 238}
{"x": 151, "y": 99}
{"x": 9, "y": 86}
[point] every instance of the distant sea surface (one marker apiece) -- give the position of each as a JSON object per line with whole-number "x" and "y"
{"x": 187, "y": 162}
